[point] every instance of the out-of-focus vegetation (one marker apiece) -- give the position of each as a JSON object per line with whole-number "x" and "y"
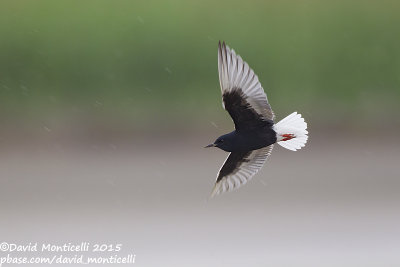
{"x": 334, "y": 61}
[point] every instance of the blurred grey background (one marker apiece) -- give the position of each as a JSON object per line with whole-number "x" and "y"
{"x": 105, "y": 107}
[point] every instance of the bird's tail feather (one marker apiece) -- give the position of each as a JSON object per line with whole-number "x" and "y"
{"x": 292, "y": 132}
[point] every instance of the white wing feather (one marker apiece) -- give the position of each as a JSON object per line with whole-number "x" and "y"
{"x": 234, "y": 73}
{"x": 244, "y": 172}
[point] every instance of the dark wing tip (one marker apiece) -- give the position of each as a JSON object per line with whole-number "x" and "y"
{"x": 221, "y": 45}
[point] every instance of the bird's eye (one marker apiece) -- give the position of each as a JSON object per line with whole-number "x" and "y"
{"x": 221, "y": 141}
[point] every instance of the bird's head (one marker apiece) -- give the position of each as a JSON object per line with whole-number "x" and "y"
{"x": 222, "y": 142}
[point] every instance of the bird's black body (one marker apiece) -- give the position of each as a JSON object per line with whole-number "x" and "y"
{"x": 246, "y": 140}
{"x": 252, "y": 130}
{"x": 255, "y": 132}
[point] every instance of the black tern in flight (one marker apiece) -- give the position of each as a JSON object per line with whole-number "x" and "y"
{"x": 255, "y": 132}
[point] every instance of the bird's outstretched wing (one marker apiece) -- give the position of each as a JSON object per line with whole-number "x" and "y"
{"x": 239, "y": 168}
{"x": 242, "y": 94}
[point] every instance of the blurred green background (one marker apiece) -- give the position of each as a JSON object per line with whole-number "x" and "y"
{"x": 105, "y": 107}
{"x": 152, "y": 64}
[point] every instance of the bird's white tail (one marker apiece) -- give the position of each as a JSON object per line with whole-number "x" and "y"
{"x": 292, "y": 132}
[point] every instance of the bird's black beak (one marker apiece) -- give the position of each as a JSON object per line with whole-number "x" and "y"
{"x": 210, "y": 145}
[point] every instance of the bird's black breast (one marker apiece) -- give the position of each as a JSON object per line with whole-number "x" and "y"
{"x": 254, "y": 139}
